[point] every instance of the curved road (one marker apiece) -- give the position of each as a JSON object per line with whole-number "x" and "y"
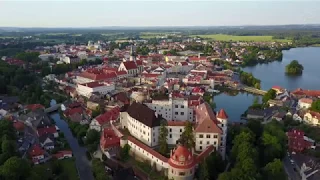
{"x": 82, "y": 162}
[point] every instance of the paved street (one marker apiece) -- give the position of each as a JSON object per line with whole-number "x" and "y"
{"x": 289, "y": 168}
{"x": 82, "y": 162}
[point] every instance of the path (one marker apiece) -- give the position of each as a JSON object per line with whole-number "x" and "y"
{"x": 82, "y": 163}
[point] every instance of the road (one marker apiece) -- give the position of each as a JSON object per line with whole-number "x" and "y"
{"x": 289, "y": 168}
{"x": 82, "y": 163}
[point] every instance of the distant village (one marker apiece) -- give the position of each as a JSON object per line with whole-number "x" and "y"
{"x": 129, "y": 97}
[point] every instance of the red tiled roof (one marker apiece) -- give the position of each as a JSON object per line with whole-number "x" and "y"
{"x": 277, "y": 87}
{"x": 130, "y": 65}
{"x": 197, "y": 58}
{"x": 98, "y": 74}
{"x": 36, "y": 150}
{"x": 121, "y": 73}
{"x": 148, "y": 75}
{"x": 222, "y": 114}
{"x": 46, "y": 130}
{"x": 315, "y": 114}
{"x": 205, "y": 153}
{"x": 182, "y": 158}
{"x": 111, "y": 114}
{"x": 94, "y": 84}
{"x": 109, "y": 139}
{"x": 61, "y": 154}
{"x": 176, "y": 123}
{"x": 19, "y": 126}
{"x": 148, "y": 149}
{"x": 306, "y": 100}
{"x": 34, "y": 106}
{"x": 312, "y": 93}
{"x": 72, "y": 111}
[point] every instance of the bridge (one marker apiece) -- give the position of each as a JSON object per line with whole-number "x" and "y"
{"x": 254, "y": 90}
{"x": 52, "y": 108}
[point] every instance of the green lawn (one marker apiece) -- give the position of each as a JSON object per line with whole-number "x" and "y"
{"x": 225, "y": 37}
{"x": 69, "y": 166}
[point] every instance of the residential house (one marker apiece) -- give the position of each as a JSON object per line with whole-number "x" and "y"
{"x": 304, "y": 103}
{"x": 37, "y": 154}
{"x": 109, "y": 142}
{"x": 48, "y": 130}
{"x": 101, "y": 88}
{"x": 308, "y": 167}
{"x": 312, "y": 118}
{"x": 63, "y": 154}
{"x": 255, "y": 114}
{"x": 298, "y": 142}
{"x": 47, "y": 141}
{"x": 103, "y": 119}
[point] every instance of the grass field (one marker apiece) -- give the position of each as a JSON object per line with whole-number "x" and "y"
{"x": 225, "y": 37}
{"x": 149, "y": 35}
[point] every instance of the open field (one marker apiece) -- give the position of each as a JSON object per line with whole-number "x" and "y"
{"x": 225, "y": 37}
{"x": 111, "y": 34}
{"x": 149, "y": 35}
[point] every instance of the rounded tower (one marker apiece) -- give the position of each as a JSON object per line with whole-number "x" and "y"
{"x": 181, "y": 164}
{"x": 222, "y": 117}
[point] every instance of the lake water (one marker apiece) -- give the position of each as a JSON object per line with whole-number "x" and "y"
{"x": 274, "y": 74}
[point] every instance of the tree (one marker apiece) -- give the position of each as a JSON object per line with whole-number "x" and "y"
{"x": 163, "y": 145}
{"x": 271, "y": 94}
{"x": 92, "y": 136}
{"x": 315, "y": 106}
{"x": 204, "y": 174}
{"x": 274, "y": 170}
{"x": 187, "y": 137}
{"x": 294, "y": 68}
{"x": 124, "y": 152}
{"x": 15, "y": 168}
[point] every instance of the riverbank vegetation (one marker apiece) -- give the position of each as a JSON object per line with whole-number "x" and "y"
{"x": 226, "y": 37}
{"x": 257, "y": 151}
{"x": 257, "y": 55}
{"x": 249, "y": 80}
{"x": 294, "y": 68}
{"x": 315, "y": 106}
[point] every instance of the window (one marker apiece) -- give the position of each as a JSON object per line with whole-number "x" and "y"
{"x": 222, "y": 125}
{"x": 182, "y": 113}
{"x": 182, "y": 106}
{"x": 170, "y": 130}
{"x": 214, "y": 142}
{"x": 182, "y": 173}
{"x": 176, "y": 106}
{"x": 215, "y": 136}
{"x": 176, "y": 113}
{"x": 200, "y": 136}
{"x": 208, "y": 135}
{"x": 208, "y": 142}
{"x": 200, "y": 142}
{"x": 154, "y": 140}
{"x": 180, "y": 130}
{"x": 200, "y": 147}
{"x": 170, "y": 135}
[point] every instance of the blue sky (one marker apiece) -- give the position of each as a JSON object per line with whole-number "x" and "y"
{"x": 156, "y": 13}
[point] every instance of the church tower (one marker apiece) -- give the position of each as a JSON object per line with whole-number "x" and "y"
{"x": 132, "y": 54}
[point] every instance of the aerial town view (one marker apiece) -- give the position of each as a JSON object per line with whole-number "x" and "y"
{"x": 152, "y": 90}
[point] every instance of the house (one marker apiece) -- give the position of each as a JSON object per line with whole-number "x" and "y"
{"x": 103, "y": 119}
{"x": 130, "y": 67}
{"x": 142, "y": 122}
{"x": 306, "y": 93}
{"x": 90, "y": 88}
{"x": 278, "y": 89}
{"x": 33, "y": 107}
{"x": 47, "y": 141}
{"x": 63, "y": 154}
{"x": 312, "y": 118}
{"x": 36, "y": 119}
{"x": 307, "y": 166}
{"x": 279, "y": 116}
{"x": 255, "y": 114}
{"x": 48, "y": 130}
{"x": 8, "y": 102}
{"x": 298, "y": 142}
{"x": 304, "y": 103}
{"x": 37, "y": 154}
{"x": 109, "y": 142}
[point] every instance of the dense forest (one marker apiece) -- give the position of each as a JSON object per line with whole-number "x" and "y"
{"x": 294, "y": 68}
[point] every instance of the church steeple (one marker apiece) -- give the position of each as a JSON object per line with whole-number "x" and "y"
{"x": 132, "y": 54}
